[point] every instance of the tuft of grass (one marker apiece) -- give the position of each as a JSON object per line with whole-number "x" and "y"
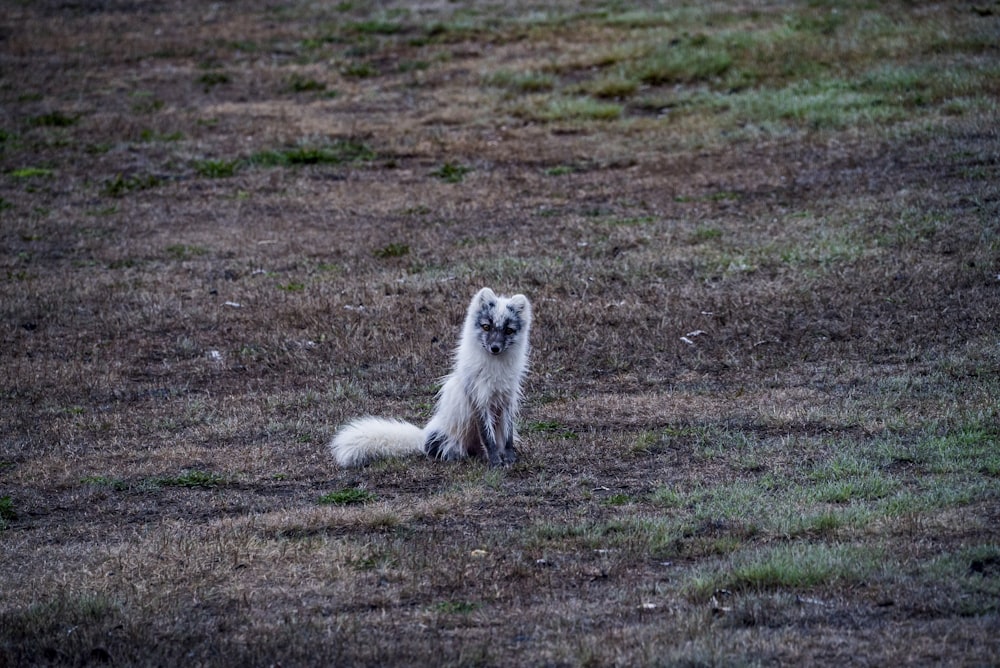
{"x": 451, "y": 172}
{"x": 551, "y": 428}
{"x": 392, "y": 250}
{"x": 65, "y": 624}
{"x": 825, "y": 523}
{"x": 30, "y": 173}
{"x": 697, "y": 59}
{"x": 145, "y": 103}
{"x": 210, "y": 80}
{"x": 618, "y": 500}
{"x": 521, "y": 82}
{"x": 193, "y": 478}
{"x": 349, "y": 496}
{"x": 794, "y": 566}
{"x": 865, "y": 488}
{"x": 613, "y": 87}
{"x": 337, "y": 153}
{"x": 116, "y": 484}
{"x": 300, "y": 84}
{"x": 412, "y": 66}
{"x": 53, "y": 119}
{"x": 121, "y": 185}
{"x": 216, "y": 169}
{"x": 559, "y": 108}
{"x": 456, "y": 607}
{"x": 7, "y": 512}
{"x": 561, "y": 170}
{"x": 185, "y": 252}
{"x": 149, "y": 135}
{"x": 360, "y": 70}
{"x": 375, "y": 27}
{"x": 666, "y": 497}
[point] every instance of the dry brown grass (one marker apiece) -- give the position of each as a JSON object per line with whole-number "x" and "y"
{"x": 809, "y": 478}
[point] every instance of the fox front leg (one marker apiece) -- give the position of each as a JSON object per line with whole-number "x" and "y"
{"x": 508, "y": 455}
{"x": 488, "y": 436}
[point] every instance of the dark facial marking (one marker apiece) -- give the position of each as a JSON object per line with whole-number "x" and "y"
{"x": 513, "y": 319}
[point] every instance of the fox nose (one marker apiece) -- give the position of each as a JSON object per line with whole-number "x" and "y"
{"x": 495, "y": 348}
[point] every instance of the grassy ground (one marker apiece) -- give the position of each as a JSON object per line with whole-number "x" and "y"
{"x": 763, "y": 246}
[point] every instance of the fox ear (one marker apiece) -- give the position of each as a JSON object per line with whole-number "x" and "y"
{"x": 486, "y": 296}
{"x": 519, "y": 303}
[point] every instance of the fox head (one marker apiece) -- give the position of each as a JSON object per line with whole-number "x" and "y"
{"x": 498, "y": 323}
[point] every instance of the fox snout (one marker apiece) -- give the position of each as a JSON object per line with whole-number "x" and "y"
{"x": 493, "y": 342}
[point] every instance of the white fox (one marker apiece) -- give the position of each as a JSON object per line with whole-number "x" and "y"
{"x": 478, "y": 403}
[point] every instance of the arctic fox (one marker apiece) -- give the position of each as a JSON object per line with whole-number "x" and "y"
{"x": 478, "y": 403}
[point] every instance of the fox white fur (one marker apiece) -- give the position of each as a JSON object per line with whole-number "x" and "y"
{"x": 478, "y": 403}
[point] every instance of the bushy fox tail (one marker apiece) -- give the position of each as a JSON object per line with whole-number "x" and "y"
{"x": 367, "y": 439}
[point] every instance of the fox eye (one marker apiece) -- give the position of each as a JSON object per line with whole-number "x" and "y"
{"x": 508, "y": 331}
{"x": 486, "y": 326}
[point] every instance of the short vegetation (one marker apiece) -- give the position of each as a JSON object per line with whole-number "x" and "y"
{"x": 760, "y": 424}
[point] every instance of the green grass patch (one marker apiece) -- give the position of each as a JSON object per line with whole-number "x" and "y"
{"x": 971, "y": 446}
{"x": 300, "y": 84}
{"x": 795, "y": 566}
{"x": 116, "y": 484}
{"x": 521, "y": 82}
{"x": 864, "y": 488}
{"x": 639, "y": 18}
{"x": 120, "y": 185}
{"x": 561, "y": 170}
{"x": 185, "y": 251}
{"x": 149, "y": 135}
{"x": 456, "y": 607}
{"x": 627, "y": 221}
{"x": 820, "y": 524}
{"x": 210, "y": 80}
{"x": 53, "y": 119}
{"x": 337, "y": 153}
{"x": 7, "y": 512}
{"x": 375, "y": 27}
{"x": 360, "y": 70}
{"x": 405, "y": 66}
{"x": 30, "y": 173}
{"x": 350, "y": 496}
{"x": 612, "y": 87}
{"x": 551, "y": 428}
{"x": 145, "y": 103}
{"x": 650, "y": 537}
{"x": 848, "y": 477}
{"x": 451, "y": 172}
{"x": 666, "y": 497}
{"x": 216, "y": 169}
{"x": 696, "y": 59}
{"x": 704, "y": 233}
{"x": 193, "y": 478}
{"x": 392, "y": 250}
{"x": 559, "y": 108}
{"x": 618, "y": 500}
{"x": 816, "y": 104}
